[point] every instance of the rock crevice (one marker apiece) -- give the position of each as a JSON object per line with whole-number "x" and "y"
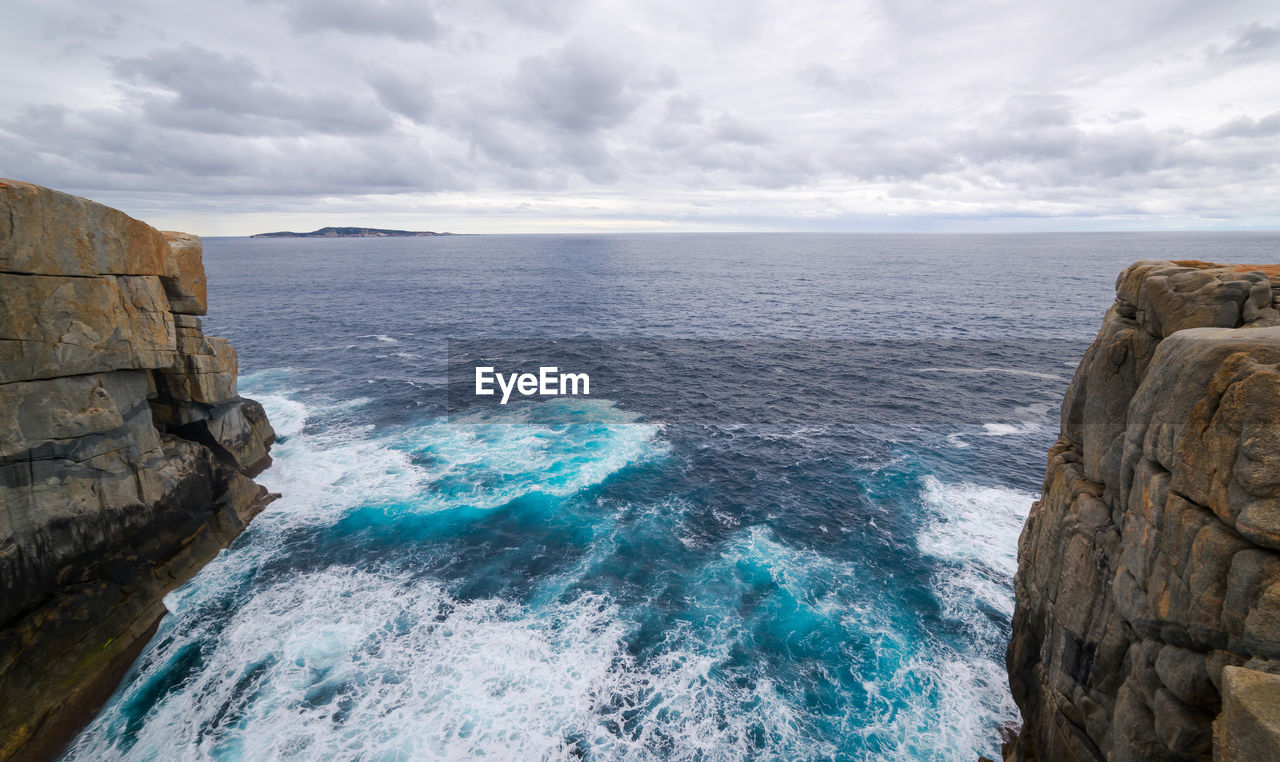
{"x": 1149, "y": 569}
{"x": 126, "y": 453}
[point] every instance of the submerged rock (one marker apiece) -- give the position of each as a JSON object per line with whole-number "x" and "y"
{"x": 1148, "y": 571}
{"x": 126, "y": 454}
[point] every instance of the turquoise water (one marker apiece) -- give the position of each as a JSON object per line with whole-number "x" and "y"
{"x": 638, "y": 586}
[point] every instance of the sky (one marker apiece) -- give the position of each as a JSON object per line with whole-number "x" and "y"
{"x": 491, "y": 116}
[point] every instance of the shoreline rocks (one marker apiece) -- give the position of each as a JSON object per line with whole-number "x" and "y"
{"x": 1148, "y": 584}
{"x": 126, "y": 453}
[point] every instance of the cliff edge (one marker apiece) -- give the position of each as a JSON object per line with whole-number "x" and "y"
{"x": 1147, "y": 624}
{"x": 126, "y": 456}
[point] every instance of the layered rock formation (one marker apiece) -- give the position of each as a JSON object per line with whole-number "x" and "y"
{"x": 1148, "y": 584}
{"x": 126, "y": 455}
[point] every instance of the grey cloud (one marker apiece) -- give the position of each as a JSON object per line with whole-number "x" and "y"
{"x": 820, "y": 75}
{"x": 1127, "y": 115}
{"x": 591, "y": 157}
{"x": 1115, "y": 153}
{"x": 205, "y": 91}
{"x": 1035, "y": 111}
{"x": 1254, "y": 40}
{"x": 878, "y": 156}
{"x": 112, "y": 146}
{"x": 555, "y": 115}
{"x": 1036, "y": 141}
{"x": 74, "y": 27}
{"x": 549, "y": 15}
{"x": 124, "y": 153}
{"x": 1050, "y": 156}
{"x": 951, "y": 104}
{"x": 200, "y": 77}
{"x": 823, "y": 76}
{"x": 198, "y": 121}
{"x": 918, "y": 16}
{"x": 660, "y": 78}
{"x": 1026, "y": 130}
{"x": 1244, "y": 127}
{"x": 1024, "y": 144}
{"x": 1037, "y": 138}
{"x": 489, "y": 140}
{"x": 1031, "y": 142}
{"x": 409, "y": 95}
{"x": 577, "y": 89}
{"x": 405, "y": 20}
{"x": 726, "y": 147}
{"x": 731, "y": 130}
{"x": 522, "y": 158}
{"x": 1009, "y": 139}
{"x": 683, "y": 108}
{"x": 776, "y": 171}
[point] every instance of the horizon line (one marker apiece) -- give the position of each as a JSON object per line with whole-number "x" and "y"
{"x": 451, "y": 234}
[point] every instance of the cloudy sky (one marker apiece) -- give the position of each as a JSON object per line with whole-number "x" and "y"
{"x": 241, "y": 116}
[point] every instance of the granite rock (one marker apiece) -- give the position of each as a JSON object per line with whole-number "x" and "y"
{"x": 1148, "y": 570}
{"x": 238, "y": 432}
{"x": 47, "y": 232}
{"x": 184, "y": 280}
{"x": 1249, "y": 726}
{"x": 126, "y": 455}
{"x": 52, "y": 326}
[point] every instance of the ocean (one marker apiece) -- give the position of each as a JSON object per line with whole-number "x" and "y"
{"x": 783, "y": 525}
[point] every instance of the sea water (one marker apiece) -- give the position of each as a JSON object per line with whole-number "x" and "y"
{"x": 701, "y": 579}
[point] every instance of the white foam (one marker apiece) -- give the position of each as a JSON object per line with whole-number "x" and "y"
{"x": 975, "y": 529}
{"x": 440, "y": 465}
{"x": 937, "y": 702}
{"x": 346, "y": 664}
{"x": 1009, "y": 429}
{"x": 325, "y": 474}
{"x": 486, "y": 465}
{"x": 1029, "y": 419}
{"x": 992, "y": 370}
{"x": 414, "y": 673}
{"x": 288, "y": 417}
{"x": 955, "y": 701}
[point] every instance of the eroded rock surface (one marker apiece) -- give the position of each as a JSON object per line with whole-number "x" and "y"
{"x": 1148, "y": 584}
{"x": 126, "y": 455}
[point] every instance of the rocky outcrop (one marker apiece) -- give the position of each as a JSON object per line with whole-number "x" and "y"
{"x": 126, "y": 455}
{"x": 1148, "y": 584}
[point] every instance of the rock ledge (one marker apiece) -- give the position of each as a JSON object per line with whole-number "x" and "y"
{"x": 126, "y": 455}
{"x": 1148, "y": 584}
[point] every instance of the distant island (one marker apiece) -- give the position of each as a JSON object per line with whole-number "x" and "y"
{"x": 348, "y": 233}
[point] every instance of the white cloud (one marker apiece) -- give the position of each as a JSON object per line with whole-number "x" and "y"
{"x": 500, "y": 115}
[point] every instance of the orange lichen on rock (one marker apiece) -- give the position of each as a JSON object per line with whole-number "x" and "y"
{"x": 1271, "y": 271}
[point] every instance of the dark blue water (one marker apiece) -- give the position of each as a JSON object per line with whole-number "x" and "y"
{"x": 638, "y": 586}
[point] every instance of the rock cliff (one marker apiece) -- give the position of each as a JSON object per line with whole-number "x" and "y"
{"x": 126, "y": 456}
{"x": 1147, "y": 624}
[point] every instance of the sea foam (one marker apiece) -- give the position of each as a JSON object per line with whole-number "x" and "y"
{"x": 270, "y": 654}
